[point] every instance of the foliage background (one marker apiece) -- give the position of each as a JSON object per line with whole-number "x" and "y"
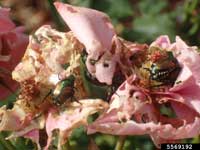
{"x": 135, "y": 20}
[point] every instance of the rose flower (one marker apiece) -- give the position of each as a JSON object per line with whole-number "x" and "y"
{"x": 105, "y": 54}
{"x": 13, "y": 43}
{"x": 161, "y": 98}
{"x": 52, "y": 97}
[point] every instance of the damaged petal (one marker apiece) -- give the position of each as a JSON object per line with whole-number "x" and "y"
{"x": 92, "y": 22}
{"x": 73, "y": 116}
{"x": 11, "y": 119}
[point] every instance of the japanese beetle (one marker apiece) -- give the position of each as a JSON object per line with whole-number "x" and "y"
{"x": 63, "y": 91}
{"x": 160, "y": 69}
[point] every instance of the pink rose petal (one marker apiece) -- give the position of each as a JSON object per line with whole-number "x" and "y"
{"x": 74, "y": 116}
{"x": 95, "y": 31}
{"x": 91, "y": 27}
{"x": 162, "y": 42}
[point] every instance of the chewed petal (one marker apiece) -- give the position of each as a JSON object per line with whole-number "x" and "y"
{"x": 91, "y": 27}
{"x": 31, "y": 131}
{"x": 180, "y": 44}
{"x": 162, "y": 41}
{"x": 164, "y": 131}
{"x": 11, "y": 120}
{"x": 184, "y": 79}
{"x": 184, "y": 112}
{"x": 105, "y": 68}
{"x": 187, "y": 93}
{"x": 127, "y": 100}
{"x": 48, "y": 51}
{"x": 130, "y": 114}
{"x": 189, "y": 57}
{"x": 74, "y": 116}
{"x": 24, "y": 71}
{"x": 186, "y": 131}
{"x": 34, "y": 136}
{"x": 127, "y": 128}
{"x": 31, "y": 134}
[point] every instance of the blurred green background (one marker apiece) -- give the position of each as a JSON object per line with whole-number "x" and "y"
{"x": 135, "y": 20}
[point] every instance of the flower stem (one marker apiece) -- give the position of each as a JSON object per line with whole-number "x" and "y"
{"x": 120, "y": 143}
{"x": 6, "y": 143}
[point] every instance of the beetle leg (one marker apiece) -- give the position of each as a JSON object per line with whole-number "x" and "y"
{"x": 48, "y": 94}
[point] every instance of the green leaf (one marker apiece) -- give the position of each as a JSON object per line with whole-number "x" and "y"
{"x": 119, "y": 9}
{"x": 196, "y": 139}
{"x": 9, "y": 100}
{"x": 194, "y": 29}
{"x": 167, "y": 111}
{"x": 79, "y": 139}
{"x": 190, "y": 6}
{"x": 152, "y": 6}
{"x": 23, "y": 144}
{"x": 6, "y": 143}
{"x": 83, "y": 3}
{"x": 105, "y": 141}
{"x": 149, "y": 27}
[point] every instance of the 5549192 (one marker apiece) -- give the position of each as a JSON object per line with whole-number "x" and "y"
{"x": 178, "y": 146}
